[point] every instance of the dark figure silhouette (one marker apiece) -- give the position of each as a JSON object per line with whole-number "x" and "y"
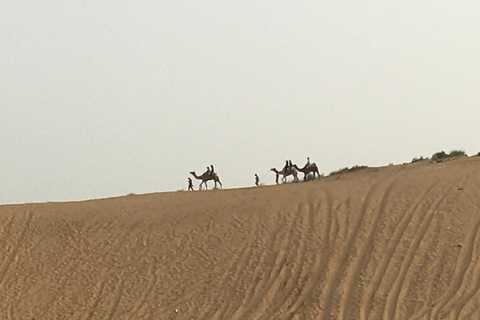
{"x": 190, "y": 185}
{"x": 256, "y": 180}
{"x": 286, "y": 166}
{"x": 212, "y": 171}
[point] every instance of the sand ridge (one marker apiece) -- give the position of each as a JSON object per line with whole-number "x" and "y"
{"x": 398, "y": 242}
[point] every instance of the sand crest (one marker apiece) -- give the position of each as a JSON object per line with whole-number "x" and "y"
{"x": 398, "y": 242}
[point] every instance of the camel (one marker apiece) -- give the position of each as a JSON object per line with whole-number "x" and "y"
{"x": 289, "y": 171}
{"x": 308, "y": 169}
{"x": 206, "y": 177}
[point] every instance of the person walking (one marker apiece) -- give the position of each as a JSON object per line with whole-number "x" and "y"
{"x": 257, "y": 180}
{"x": 190, "y": 185}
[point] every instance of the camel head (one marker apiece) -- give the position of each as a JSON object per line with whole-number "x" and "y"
{"x": 273, "y": 169}
{"x": 192, "y": 173}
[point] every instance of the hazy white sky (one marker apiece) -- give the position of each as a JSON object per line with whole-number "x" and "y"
{"x": 105, "y": 98}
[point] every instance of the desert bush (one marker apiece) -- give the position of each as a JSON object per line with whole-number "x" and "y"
{"x": 418, "y": 159}
{"x": 439, "y": 156}
{"x": 356, "y": 168}
{"x": 346, "y": 169}
{"x": 457, "y": 153}
{"x": 341, "y": 170}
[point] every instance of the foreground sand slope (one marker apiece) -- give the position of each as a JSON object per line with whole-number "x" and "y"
{"x": 398, "y": 242}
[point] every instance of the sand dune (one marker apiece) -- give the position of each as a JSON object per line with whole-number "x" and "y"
{"x": 399, "y": 242}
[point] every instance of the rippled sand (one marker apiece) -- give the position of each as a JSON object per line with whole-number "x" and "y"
{"x": 398, "y": 242}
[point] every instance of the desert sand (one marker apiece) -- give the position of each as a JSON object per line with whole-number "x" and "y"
{"x": 396, "y": 242}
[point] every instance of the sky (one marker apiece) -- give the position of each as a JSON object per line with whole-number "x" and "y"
{"x": 107, "y": 98}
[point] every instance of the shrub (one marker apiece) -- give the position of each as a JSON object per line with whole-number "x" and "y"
{"x": 346, "y": 169}
{"x": 342, "y": 170}
{"x": 457, "y": 153}
{"x": 418, "y": 159}
{"x": 356, "y": 168}
{"x": 439, "y": 155}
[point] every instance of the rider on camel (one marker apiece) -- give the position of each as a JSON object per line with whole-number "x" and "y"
{"x": 287, "y": 165}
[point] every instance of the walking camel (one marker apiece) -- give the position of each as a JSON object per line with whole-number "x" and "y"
{"x": 286, "y": 172}
{"x": 308, "y": 169}
{"x": 206, "y": 177}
